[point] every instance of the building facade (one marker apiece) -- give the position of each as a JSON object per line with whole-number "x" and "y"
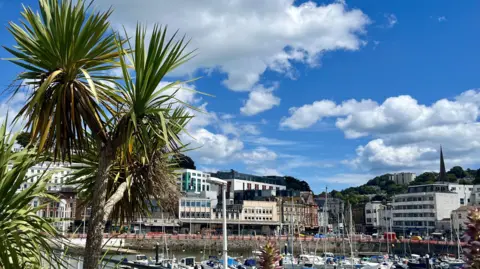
{"x": 419, "y": 210}
{"x": 403, "y": 178}
{"x": 194, "y": 181}
{"x": 243, "y": 182}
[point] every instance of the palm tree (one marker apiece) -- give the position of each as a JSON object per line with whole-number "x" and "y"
{"x": 26, "y": 238}
{"x": 269, "y": 257}
{"x": 131, "y": 126}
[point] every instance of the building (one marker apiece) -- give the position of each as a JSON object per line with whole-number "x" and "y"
{"x": 242, "y": 182}
{"x": 335, "y": 210}
{"x": 372, "y": 215}
{"x": 403, "y": 178}
{"x": 193, "y": 180}
{"x": 419, "y": 210}
{"x": 299, "y": 212}
{"x": 59, "y": 174}
{"x": 460, "y": 217}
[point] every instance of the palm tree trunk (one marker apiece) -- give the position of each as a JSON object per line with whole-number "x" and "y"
{"x": 93, "y": 247}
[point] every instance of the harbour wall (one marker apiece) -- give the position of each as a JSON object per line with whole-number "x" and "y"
{"x": 338, "y": 246}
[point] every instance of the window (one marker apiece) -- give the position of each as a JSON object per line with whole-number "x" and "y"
{"x": 183, "y": 202}
{"x": 198, "y": 204}
{"x": 369, "y": 220}
{"x": 249, "y": 186}
{"x": 462, "y": 201}
{"x": 208, "y": 187}
{"x": 271, "y": 187}
{"x": 453, "y": 189}
{"x": 35, "y": 203}
{"x": 203, "y": 187}
{"x": 188, "y": 203}
{"x": 256, "y": 186}
{"x": 459, "y": 216}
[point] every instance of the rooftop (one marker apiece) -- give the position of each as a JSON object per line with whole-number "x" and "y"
{"x": 232, "y": 174}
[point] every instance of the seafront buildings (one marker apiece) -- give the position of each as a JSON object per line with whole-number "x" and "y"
{"x": 264, "y": 205}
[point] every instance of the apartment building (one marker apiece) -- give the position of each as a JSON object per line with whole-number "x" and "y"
{"x": 419, "y": 210}
{"x": 243, "y": 182}
{"x": 403, "y": 178}
{"x": 372, "y": 215}
{"x": 194, "y": 181}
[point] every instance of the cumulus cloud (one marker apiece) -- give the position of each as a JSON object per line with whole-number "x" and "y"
{"x": 259, "y": 100}
{"x": 442, "y": 19}
{"x": 308, "y": 115}
{"x": 245, "y": 38}
{"x": 257, "y": 156}
{"x": 406, "y": 134}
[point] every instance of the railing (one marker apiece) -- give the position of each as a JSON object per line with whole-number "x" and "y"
{"x": 262, "y": 237}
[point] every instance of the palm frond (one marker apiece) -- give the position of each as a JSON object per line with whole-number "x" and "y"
{"x": 65, "y": 52}
{"x": 26, "y": 238}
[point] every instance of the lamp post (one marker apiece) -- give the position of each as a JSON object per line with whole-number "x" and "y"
{"x": 223, "y": 185}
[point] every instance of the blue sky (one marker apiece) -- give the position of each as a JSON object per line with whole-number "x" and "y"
{"x": 330, "y": 92}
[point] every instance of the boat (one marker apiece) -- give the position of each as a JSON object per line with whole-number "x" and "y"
{"x": 187, "y": 263}
{"x": 141, "y": 259}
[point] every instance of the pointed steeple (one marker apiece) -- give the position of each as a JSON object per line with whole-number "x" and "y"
{"x": 443, "y": 173}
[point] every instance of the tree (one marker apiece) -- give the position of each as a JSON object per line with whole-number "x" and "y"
{"x": 425, "y": 178}
{"x": 472, "y": 236}
{"x": 23, "y": 139}
{"x": 296, "y": 184}
{"x": 269, "y": 257}
{"x": 477, "y": 177}
{"x": 451, "y": 177}
{"x": 457, "y": 171}
{"x": 26, "y": 238}
{"x": 132, "y": 122}
{"x": 185, "y": 162}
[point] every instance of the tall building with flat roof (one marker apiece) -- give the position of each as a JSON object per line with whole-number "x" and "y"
{"x": 403, "y": 178}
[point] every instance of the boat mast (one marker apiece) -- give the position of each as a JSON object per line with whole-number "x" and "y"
{"x": 325, "y": 216}
{"x": 351, "y": 234}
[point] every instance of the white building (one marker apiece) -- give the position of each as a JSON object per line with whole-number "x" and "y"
{"x": 193, "y": 180}
{"x": 372, "y": 213}
{"x": 59, "y": 174}
{"x": 240, "y": 182}
{"x": 419, "y": 210}
{"x": 403, "y": 178}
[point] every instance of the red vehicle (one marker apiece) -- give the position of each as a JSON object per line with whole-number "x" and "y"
{"x": 390, "y": 236}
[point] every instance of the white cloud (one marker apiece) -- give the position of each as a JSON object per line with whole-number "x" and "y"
{"x": 308, "y": 115}
{"x": 264, "y": 171}
{"x": 405, "y": 134}
{"x": 258, "y": 155}
{"x": 348, "y": 179}
{"x": 238, "y": 129}
{"x": 442, "y": 19}
{"x": 245, "y": 38}
{"x": 391, "y": 20}
{"x": 213, "y": 148}
{"x": 259, "y": 100}
{"x": 266, "y": 141}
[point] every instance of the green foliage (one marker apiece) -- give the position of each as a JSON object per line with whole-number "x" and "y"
{"x": 296, "y": 184}
{"x": 457, "y": 171}
{"x": 269, "y": 257}
{"x": 477, "y": 177}
{"x": 65, "y": 52}
{"x": 23, "y": 139}
{"x": 451, "y": 178}
{"x": 25, "y": 237}
{"x": 425, "y": 178}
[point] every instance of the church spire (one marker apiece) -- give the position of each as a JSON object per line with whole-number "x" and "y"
{"x": 442, "y": 177}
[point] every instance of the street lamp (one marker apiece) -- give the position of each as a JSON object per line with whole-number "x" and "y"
{"x": 223, "y": 184}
